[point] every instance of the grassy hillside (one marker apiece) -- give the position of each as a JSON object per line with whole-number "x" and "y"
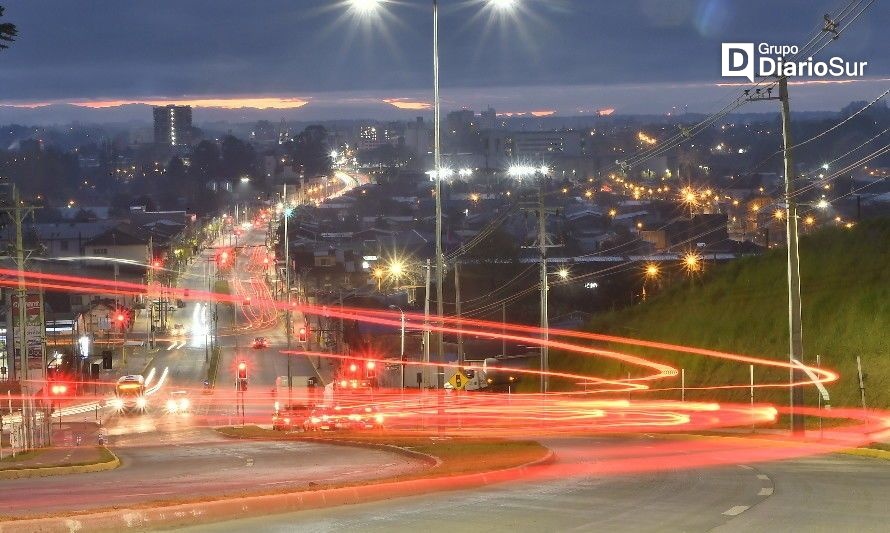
{"x": 741, "y": 307}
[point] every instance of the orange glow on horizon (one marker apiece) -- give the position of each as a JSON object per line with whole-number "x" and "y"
{"x": 404, "y": 103}
{"x": 234, "y": 102}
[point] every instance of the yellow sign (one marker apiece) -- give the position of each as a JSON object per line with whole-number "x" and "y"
{"x": 458, "y": 381}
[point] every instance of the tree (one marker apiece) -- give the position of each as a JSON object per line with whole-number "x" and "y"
{"x": 238, "y": 158}
{"x": 8, "y": 32}
{"x": 206, "y": 161}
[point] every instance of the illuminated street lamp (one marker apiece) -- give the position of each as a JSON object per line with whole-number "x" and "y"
{"x": 563, "y": 273}
{"x": 396, "y": 269}
{"x": 692, "y": 262}
{"x": 652, "y": 271}
{"x": 366, "y": 8}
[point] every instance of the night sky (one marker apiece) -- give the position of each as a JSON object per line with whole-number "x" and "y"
{"x": 567, "y": 56}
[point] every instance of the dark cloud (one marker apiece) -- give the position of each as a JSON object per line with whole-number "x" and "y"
{"x": 86, "y": 49}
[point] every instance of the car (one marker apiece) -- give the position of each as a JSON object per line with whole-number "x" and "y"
{"x": 322, "y": 419}
{"x": 260, "y": 342}
{"x": 178, "y": 402}
{"x": 282, "y": 421}
{"x": 364, "y": 417}
{"x": 178, "y": 330}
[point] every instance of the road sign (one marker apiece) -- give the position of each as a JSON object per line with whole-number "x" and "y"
{"x": 458, "y": 381}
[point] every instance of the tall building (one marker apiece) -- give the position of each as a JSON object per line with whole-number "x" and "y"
{"x": 173, "y": 124}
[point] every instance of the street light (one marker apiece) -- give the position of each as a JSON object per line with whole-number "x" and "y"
{"x": 367, "y": 7}
{"x": 652, "y": 271}
{"x": 692, "y": 262}
{"x": 563, "y": 273}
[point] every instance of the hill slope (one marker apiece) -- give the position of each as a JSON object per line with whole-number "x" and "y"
{"x": 741, "y": 307}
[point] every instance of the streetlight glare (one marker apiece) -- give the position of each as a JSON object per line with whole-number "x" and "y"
{"x": 651, "y": 270}
{"x": 563, "y": 273}
{"x": 502, "y": 4}
{"x": 365, "y": 7}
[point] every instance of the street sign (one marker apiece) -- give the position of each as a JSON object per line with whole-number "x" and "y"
{"x": 458, "y": 381}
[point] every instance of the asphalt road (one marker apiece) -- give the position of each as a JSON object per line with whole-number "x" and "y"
{"x": 830, "y": 493}
{"x": 161, "y": 463}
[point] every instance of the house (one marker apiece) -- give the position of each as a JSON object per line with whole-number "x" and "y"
{"x": 125, "y": 241}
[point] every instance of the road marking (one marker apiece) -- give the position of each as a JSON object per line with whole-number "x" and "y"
{"x": 172, "y": 345}
{"x": 746, "y": 467}
{"x": 737, "y": 510}
{"x": 763, "y": 477}
{"x": 765, "y": 491}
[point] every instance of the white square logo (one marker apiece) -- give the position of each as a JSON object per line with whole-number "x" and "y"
{"x": 738, "y": 60}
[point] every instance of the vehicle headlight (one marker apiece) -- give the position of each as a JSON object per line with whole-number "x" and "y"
{"x": 287, "y": 420}
{"x": 117, "y": 403}
{"x": 315, "y": 420}
{"x": 141, "y": 402}
{"x": 355, "y": 418}
{"x": 378, "y": 418}
{"x": 184, "y": 403}
{"x": 324, "y": 417}
{"x": 171, "y": 406}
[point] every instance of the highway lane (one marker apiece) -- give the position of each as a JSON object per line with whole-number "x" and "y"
{"x": 831, "y": 493}
{"x": 160, "y": 465}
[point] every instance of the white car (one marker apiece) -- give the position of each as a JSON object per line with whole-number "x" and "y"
{"x": 178, "y": 402}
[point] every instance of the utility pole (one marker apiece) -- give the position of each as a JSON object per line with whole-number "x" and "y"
{"x": 287, "y": 311}
{"x": 460, "y": 335}
{"x": 426, "y": 326}
{"x": 18, "y": 213}
{"x": 794, "y": 304}
{"x": 542, "y": 244}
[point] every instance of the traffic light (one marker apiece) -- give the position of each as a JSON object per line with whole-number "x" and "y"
{"x": 156, "y": 263}
{"x": 303, "y": 334}
{"x": 353, "y": 367}
{"x": 121, "y": 318}
{"x": 242, "y": 371}
{"x": 371, "y": 367}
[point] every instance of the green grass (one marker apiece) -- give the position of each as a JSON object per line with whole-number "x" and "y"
{"x": 459, "y": 455}
{"x": 742, "y": 307}
{"x": 213, "y": 366}
{"x": 104, "y": 456}
{"x": 221, "y": 286}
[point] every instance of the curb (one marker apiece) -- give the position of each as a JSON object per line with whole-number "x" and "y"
{"x": 431, "y": 460}
{"x": 251, "y": 506}
{"x": 47, "y": 471}
{"x": 871, "y": 453}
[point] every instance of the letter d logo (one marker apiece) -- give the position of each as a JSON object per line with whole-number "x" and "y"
{"x": 738, "y": 60}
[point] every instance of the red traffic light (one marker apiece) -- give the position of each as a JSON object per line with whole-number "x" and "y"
{"x": 242, "y": 366}
{"x": 303, "y": 334}
{"x": 242, "y": 371}
{"x": 371, "y": 365}
{"x": 156, "y": 263}
{"x": 353, "y": 367}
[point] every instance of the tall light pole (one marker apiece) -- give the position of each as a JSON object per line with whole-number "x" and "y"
{"x": 364, "y": 7}
{"x": 437, "y": 168}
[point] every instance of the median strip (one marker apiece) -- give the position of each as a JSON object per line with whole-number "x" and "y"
{"x": 456, "y": 463}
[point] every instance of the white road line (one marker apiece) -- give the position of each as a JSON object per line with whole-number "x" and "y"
{"x": 746, "y": 467}
{"x": 172, "y": 345}
{"x": 765, "y": 491}
{"x": 737, "y": 510}
{"x": 763, "y": 477}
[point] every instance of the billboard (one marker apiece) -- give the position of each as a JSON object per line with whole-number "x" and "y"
{"x": 34, "y": 326}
